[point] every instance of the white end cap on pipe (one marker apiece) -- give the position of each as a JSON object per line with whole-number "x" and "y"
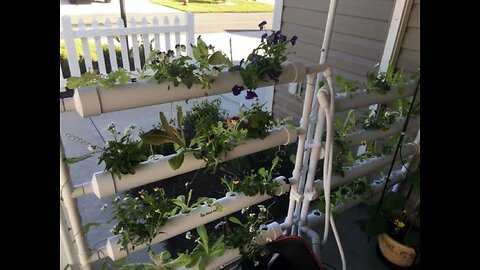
{"x": 284, "y": 185}
{"x": 87, "y": 102}
{"x": 269, "y": 233}
{"x": 103, "y": 184}
{"x": 112, "y": 248}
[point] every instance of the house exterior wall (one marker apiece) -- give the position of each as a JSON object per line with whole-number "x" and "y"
{"x": 358, "y": 38}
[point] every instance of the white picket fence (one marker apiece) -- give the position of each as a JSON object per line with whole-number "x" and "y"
{"x": 161, "y": 35}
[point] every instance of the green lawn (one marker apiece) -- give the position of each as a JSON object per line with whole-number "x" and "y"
{"x": 217, "y": 6}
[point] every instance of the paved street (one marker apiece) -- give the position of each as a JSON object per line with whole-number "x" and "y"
{"x": 204, "y": 22}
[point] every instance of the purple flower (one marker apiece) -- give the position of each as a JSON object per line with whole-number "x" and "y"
{"x": 250, "y": 94}
{"x": 264, "y": 36}
{"x": 237, "y": 89}
{"x": 282, "y": 38}
{"x": 294, "y": 40}
{"x": 262, "y": 24}
{"x": 273, "y": 76}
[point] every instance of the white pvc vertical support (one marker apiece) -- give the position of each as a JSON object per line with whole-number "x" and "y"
{"x": 277, "y": 15}
{"x": 66, "y": 241}
{"x": 70, "y": 46}
{"x": 299, "y": 159}
{"x": 398, "y": 24}
{"x": 73, "y": 214}
{"x": 166, "y": 22}
{"x": 190, "y": 38}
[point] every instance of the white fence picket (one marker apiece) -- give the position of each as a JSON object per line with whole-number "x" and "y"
{"x": 111, "y": 47}
{"x": 85, "y": 47}
{"x": 161, "y": 34}
{"x": 69, "y": 37}
{"x": 123, "y": 45}
{"x": 98, "y": 49}
{"x": 177, "y": 33}
{"x": 190, "y": 38}
{"x": 136, "y": 54}
{"x": 166, "y": 22}
{"x": 63, "y": 82}
{"x": 156, "y": 36}
{"x": 146, "y": 40}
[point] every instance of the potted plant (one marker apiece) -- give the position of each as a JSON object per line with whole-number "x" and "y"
{"x": 397, "y": 226}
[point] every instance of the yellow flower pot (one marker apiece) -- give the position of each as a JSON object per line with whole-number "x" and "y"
{"x": 396, "y": 252}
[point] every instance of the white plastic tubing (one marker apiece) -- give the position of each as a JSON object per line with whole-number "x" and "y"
{"x": 184, "y": 222}
{"x": 105, "y": 184}
{"x": 90, "y": 101}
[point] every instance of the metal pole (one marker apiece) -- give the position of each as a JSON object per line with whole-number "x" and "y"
{"x": 122, "y": 13}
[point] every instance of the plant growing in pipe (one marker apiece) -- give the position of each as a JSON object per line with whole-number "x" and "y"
{"x": 264, "y": 62}
{"x": 94, "y": 78}
{"x": 346, "y": 86}
{"x": 260, "y": 181}
{"x": 169, "y": 134}
{"x": 243, "y": 234}
{"x": 161, "y": 261}
{"x": 120, "y": 155}
{"x": 203, "y": 250}
{"x": 139, "y": 219}
{"x": 183, "y": 203}
{"x": 382, "y": 81}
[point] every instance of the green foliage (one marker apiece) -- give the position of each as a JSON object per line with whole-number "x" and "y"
{"x": 203, "y": 251}
{"x": 162, "y": 261}
{"x": 355, "y": 189}
{"x": 181, "y": 69}
{"x": 382, "y": 82}
{"x": 214, "y": 140}
{"x": 243, "y": 235}
{"x": 183, "y": 203}
{"x": 139, "y": 219}
{"x": 257, "y": 121}
{"x": 264, "y": 62}
{"x": 347, "y": 86}
{"x": 382, "y": 120}
{"x": 93, "y": 78}
{"x": 123, "y": 155}
{"x": 166, "y": 134}
{"x": 261, "y": 181}
{"x": 393, "y": 217}
{"x": 200, "y": 110}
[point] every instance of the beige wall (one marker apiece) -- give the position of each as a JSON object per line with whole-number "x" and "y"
{"x": 358, "y": 39}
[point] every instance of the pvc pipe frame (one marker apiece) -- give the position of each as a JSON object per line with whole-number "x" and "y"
{"x": 181, "y": 223}
{"x": 105, "y": 184}
{"x": 66, "y": 189}
{"x": 90, "y": 101}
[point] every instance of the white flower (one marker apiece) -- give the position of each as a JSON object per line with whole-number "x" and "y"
{"x": 256, "y": 263}
{"x": 127, "y": 131}
{"x": 215, "y": 72}
{"x": 111, "y": 127}
{"x": 252, "y": 214}
{"x": 91, "y": 147}
{"x": 269, "y": 239}
{"x": 251, "y": 229}
{"x": 262, "y": 208}
{"x": 244, "y": 209}
{"x": 188, "y": 235}
{"x": 104, "y": 207}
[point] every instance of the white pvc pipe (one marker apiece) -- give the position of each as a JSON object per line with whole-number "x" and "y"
{"x": 75, "y": 219}
{"x": 90, "y": 101}
{"x": 66, "y": 240}
{"x": 366, "y": 167}
{"x": 358, "y": 136}
{"x": 314, "y": 239}
{"x": 182, "y": 223}
{"x": 299, "y": 158}
{"x": 105, "y": 184}
{"x": 360, "y": 99}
